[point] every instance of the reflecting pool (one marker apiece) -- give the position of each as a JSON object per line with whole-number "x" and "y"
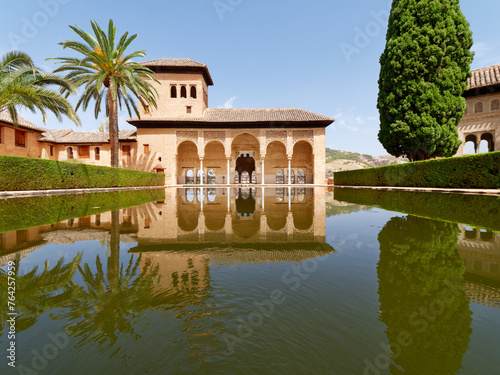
{"x": 250, "y": 281}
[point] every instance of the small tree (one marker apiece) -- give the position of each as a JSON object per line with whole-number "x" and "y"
{"x": 424, "y": 71}
{"x": 107, "y": 73}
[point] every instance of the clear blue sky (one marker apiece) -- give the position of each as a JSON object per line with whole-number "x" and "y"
{"x": 260, "y": 53}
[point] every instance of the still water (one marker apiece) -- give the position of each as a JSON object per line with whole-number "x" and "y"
{"x": 251, "y": 281}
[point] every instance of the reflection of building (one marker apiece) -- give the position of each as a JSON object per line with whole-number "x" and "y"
{"x": 283, "y": 218}
{"x": 481, "y": 121}
{"x": 89, "y": 228}
{"x": 480, "y": 250}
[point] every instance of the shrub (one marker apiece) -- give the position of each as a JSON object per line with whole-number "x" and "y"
{"x": 22, "y": 173}
{"x": 473, "y": 171}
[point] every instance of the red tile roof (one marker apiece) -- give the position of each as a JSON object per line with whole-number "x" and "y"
{"x": 22, "y": 122}
{"x": 484, "y": 77}
{"x": 179, "y": 64}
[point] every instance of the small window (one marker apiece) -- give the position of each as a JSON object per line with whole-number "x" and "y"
{"x": 160, "y": 170}
{"x": 279, "y": 176}
{"x": 147, "y": 223}
{"x": 98, "y": 220}
{"x": 20, "y": 138}
{"x": 188, "y": 109}
{"x": 193, "y": 92}
{"x": 495, "y": 105}
{"x": 183, "y": 92}
{"x": 173, "y": 92}
{"x": 146, "y": 149}
{"x": 126, "y": 150}
{"x": 84, "y": 152}
{"x": 478, "y": 107}
{"x": 51, "y": 148}
{"x": 97, "y": 153}
{"x": 70, "y": 152}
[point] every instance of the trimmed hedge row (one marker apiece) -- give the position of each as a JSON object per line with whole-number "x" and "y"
{"x": 473, "y": 171}
{"x": 23, "y": 213}
{"x": 475, "y": 210}
{"x": 22, "y": 173}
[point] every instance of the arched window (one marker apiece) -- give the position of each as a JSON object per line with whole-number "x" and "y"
{"x": 279, "y": 176}
{"x": 280, "y": 194}
{"x": 495, "y": 105}
{"x": 478, "y": 107}
{"x": 301, "y": 194}
{"x": 301, "y": 177}
{"x": 190, "y": 177}
{"x": 211, "y": 195}
{"x": 254, "y": 177}
{"x": 200, "y": 194}
{"x": 199, "y": 177}
{"x": 211, "y": 177}
{"x": 173, "y": 92}
{"x": 193, "y": 92}
{"x": 292, "y": 175}
{"x": 183, "y": 92}
{"x": 190, "y": 194}
{"x": 97, "y": 153}
{"x": 70, "y": 152}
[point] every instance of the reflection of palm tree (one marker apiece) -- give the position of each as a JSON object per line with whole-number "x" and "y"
{"x": 113, "y": 302}
{"x": 37, "y": 293}
{"x": 418, "y": 263}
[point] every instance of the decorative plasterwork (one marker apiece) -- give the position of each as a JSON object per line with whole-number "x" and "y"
{"x": 215, "y": 135}
{"x": 275, "y": 135}
{"x": 187, "y": 136}
{"x": 303, "y": 135}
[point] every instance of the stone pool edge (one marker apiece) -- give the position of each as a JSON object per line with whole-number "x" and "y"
{"x": 426, "y": 190}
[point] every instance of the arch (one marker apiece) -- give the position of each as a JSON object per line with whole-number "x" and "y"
{"x": 470, "y": 145}
{"x": 173, "y": 92}
{"x": 245, "y": 166}
{"x": 187, "y": 158}
{"x": 215, "y": 159}
{"x": 478, "y": 107}
{"x": 487, "y": 143}
{"x": 70, "y": 152}
{"x": 276, "y": 159}
{"x": 97, "y": 153}
{"x": 303, "y": 210}
{"x": 183, "y": 92}
{"x": 495, "y": 105}
{"x": 303, "y": 159}
{"x": 192, "y": 93}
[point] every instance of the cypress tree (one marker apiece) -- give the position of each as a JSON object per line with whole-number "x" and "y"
{"x": 423, "y": 75}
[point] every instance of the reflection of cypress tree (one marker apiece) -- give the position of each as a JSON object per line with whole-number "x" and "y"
{"x": 418, "y": 264}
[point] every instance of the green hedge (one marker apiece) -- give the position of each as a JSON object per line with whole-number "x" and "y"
{"x": 474, "y": 171}
{"x": 475, "y": 210}
{"x": 21, "y": 173}
{"x": 23, "y": 213}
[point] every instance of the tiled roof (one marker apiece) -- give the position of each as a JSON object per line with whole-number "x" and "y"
{"x": 180, "y": 64}
{"x": 244, "y": 115}
{"x": 69, "y": 136}
{"x": 173, "y": 62}
{"x": 484, "y": 77}
{"x": 5, "y": 117}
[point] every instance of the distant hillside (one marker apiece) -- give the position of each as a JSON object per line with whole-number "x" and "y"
{"x": 345, "y": 160}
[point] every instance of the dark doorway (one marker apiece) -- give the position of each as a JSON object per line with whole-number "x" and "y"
{"x": 245, "y": 163}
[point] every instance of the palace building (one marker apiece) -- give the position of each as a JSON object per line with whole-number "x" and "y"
{"x": 481, "y": 121}
{"x": 188, "y": 141}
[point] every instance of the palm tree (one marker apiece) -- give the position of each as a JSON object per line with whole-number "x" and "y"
{"x": 106, "y": 72}
{"x": 24, "y": 85}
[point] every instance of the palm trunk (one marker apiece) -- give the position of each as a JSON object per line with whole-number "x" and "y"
{"x": 113, "y": 130}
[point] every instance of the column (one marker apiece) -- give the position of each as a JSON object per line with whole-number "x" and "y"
{"x": 202, "y": 173}
{"x": 289, "y": 170}
{"x": 289, "y": 199}
{"x": 228, "y": 193}
{"x": 263, "y": 173}
{"x": 228, "y": 169}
